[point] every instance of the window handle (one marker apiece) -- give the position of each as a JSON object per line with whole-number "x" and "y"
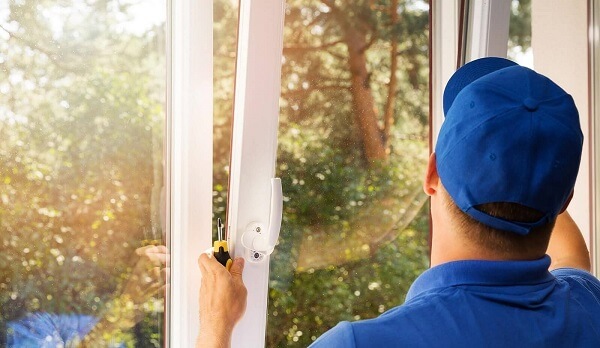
{"x": 257, "y": 239}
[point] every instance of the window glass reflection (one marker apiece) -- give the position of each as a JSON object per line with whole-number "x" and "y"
{"x": 82, "y": 205}
{"x": 353, "y": 146}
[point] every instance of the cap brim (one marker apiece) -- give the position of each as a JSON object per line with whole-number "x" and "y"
{"x": 469, "y": 73}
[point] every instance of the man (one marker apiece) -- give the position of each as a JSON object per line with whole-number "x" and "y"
{"x": 503, "y": 170}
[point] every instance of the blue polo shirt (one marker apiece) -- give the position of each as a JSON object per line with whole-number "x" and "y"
{"x": 485, "y": 304}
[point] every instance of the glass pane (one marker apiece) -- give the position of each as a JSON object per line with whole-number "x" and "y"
{"x": 224, "y": 58}
{"x": 519, "y": 33}
{"x": 353, "y": 148}
{"x": 82, "y": 199}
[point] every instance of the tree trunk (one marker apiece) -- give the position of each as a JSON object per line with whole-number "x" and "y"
{"x": 390, "y": 106}
{"x": 364, "y": 104}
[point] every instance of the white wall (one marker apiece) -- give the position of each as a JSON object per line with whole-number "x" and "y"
{"x": 560, "y": 51}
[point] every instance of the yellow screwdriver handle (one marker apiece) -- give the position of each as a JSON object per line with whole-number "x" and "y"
{"x": 221, "y": 252}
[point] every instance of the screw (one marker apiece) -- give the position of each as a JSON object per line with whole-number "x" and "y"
{"x": 258, "y": 229}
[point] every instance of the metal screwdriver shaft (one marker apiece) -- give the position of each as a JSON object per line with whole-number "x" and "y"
{"x": 219, "y": 229}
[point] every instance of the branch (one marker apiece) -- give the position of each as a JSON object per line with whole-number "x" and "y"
{"x": 336, "y": 55}
{"x": 311, "y": 48}
{"x": 321, "y": 87}
{"x": 293, "y": 93}
{"x": 45, "y": 52}
{"x": 330, "y": 4}
{"x": 369, "y": 44}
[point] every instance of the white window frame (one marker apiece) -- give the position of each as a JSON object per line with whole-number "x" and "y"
{"x": 445, "y": 38}
{"x": 254, "y": 151}
{"x": 190, "y": 149}
{"x": 487, "y": 29}
{"x": 190, "y": 145}
{"x": 485, "y": 33}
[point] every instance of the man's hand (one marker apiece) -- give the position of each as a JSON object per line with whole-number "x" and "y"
{"x": 222, "y": 301}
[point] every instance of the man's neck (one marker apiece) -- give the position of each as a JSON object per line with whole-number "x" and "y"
{"x": 449, "y": 245}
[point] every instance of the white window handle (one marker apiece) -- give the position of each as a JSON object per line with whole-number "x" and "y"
{"x": 261, "y": 241}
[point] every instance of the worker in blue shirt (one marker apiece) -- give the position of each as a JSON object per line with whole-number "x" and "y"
{"x": 509, "y": 266}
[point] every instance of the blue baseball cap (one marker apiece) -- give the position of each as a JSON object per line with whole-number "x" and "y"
{"x": 509, "y": 135}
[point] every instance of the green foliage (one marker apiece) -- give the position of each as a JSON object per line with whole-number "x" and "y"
{"x": 519, "y": 31}
{"x": 303, "y": 305}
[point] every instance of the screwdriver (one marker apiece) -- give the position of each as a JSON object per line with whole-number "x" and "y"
{"x": 220, "y": 249}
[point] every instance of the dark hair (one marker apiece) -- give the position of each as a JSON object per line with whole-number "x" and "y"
{"x": 505, "y": 243}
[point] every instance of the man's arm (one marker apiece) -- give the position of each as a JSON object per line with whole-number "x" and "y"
{"x": 567, "y": 247}
{"x": 222, "y": 301}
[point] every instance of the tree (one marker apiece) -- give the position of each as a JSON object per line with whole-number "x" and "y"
{"x": 348, "y": 58}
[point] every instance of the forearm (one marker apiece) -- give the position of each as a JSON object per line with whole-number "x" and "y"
{"x": 214, "y": 338}
{"x": 567, "y": 247}
{"x": 222, "y": 301}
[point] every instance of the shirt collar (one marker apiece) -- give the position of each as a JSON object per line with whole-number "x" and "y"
{"x": 482, "y": 272}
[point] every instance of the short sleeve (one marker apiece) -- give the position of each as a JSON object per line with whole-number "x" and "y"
{"x": 581, "y": 278}
{"x": 341, "y": 336}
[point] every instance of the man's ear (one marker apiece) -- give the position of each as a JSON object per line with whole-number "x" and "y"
{"x": 567, "y": 202}
{"x": 432, "y": 180}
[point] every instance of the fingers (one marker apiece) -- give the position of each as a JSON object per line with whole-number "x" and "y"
{"x": 158, "y": 255}
{"x": 161, "y": 249}
{"x": 237, "y": 268}
{"x": 156, "y": 273}
{"x": 165, "y": 273}
{"x": 204, "y": 261}
{"x": 209, "y": 264}
{"x": 142, "y": 250}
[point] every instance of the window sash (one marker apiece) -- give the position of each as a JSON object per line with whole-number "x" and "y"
{"x": 254, "y": 150}
{"x": 190, "y": 144}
